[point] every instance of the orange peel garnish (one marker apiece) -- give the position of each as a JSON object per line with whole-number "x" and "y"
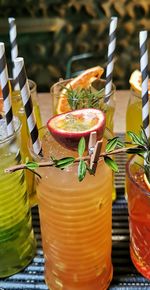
{"x": 136, "y": 80}
{"x": 83, "y": 80}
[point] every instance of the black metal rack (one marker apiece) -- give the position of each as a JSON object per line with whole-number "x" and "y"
{"x": 125, "y": 275}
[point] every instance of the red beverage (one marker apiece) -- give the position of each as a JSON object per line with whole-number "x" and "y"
{"x": 139, "y": 217}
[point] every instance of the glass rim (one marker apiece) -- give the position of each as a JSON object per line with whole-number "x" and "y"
{"x": 12, "y": 136}
{"x": 113, "y": 90}
{"x": 130, "y": 176}
{"x": 33, "y": 83}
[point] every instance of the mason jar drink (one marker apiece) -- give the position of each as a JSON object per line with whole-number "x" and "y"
{"x": 95, "y": 99}
{"x": 134, "y": 113}
{"x": 139, "y": 218}
{"x": 76, "y": 220}
{"x": 19, "y": 111}
{"x": 17, "y": 243}
{"x": 134, "y": 107}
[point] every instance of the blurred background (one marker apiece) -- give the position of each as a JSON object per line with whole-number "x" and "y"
{"x": 51, "y": 32}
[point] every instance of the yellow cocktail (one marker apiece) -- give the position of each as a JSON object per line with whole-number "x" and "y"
{"x": 75, "y": 222}
{"x": 134, "y": 108}
{"x": 134, "y": 113}
{"x": 19, "y": 111}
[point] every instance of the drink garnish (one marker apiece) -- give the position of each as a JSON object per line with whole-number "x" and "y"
{"x": 82, "y": 81}
{"x": 136, "y": 81}
{"x": 68, "y": 128}
{"x": 140, "y": 145}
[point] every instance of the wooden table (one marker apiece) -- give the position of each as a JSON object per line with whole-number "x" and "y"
{"x": 120, "y": 111}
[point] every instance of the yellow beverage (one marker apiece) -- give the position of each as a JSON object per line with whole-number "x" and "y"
{"x": 98, "y": 103}
{"x": 18, "y": 110}
{"x": 75, "y": 220}
{"x": 17, "y": 243}
{"x": 134, "y": 113}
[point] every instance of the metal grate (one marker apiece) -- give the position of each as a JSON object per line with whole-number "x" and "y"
{"x": 125, "y": 275}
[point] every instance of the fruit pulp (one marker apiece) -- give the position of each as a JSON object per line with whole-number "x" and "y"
{"x": 17, "y": 243}
{"x": 139, "y": 220}
{"x": 18, "y": 110}
{"x": 76, "y": 219}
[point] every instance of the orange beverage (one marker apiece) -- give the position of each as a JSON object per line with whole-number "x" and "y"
{"x": 76, "y": 221}
{"x": 139, "y": 217}
{"x": 96, "y": 102}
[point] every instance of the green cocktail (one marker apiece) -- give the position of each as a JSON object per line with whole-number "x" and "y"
{"x": 17, "y": 243}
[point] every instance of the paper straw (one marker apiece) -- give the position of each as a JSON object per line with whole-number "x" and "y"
{"x": 14, "y": 47}
{"x": 144, "y": 73}
{"x": 110, "y": 61}
{"x": 27, "y": 102}
{"x": 5, "y": 90}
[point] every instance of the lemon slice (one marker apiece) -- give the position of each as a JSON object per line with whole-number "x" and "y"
{"x": 83, "y": 80}
{"x": 136, "y": 80}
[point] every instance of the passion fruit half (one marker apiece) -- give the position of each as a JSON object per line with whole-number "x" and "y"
{"x": 68, "y": 128}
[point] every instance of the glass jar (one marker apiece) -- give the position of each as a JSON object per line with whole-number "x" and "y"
{"x": 139, "y": 218}
{"x": 76, "y": 221}
{"x": 17, "y": 243}
{"x": 18, "y": 110}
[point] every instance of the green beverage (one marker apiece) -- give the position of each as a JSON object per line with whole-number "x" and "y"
{"x": 17, "y": 243}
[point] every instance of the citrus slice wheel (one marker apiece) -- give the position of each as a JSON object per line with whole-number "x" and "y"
{"x": 68, "y": 128}
{"x": 136, "y": 81}
{"x": 83, "y": 80}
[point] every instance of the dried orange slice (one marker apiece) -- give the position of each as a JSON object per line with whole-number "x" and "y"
{"x": 68, "y": 128}
{"x": 84, "y": 80}
{"x": 136, "y": 80}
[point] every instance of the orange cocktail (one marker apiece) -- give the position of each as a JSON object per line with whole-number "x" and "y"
{"x": 75, "y": 222}
{"x": 139, "y": 217}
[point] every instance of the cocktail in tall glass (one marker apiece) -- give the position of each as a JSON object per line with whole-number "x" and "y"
{"x": 78, "y": 93}
{"x": 75, "y": 220}
{"x": 139, "y": 218}
{"x": 17, "y": 243}
{"x": 19, "y": 111}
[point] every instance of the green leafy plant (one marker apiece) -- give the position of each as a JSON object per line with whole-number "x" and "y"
{"x": 85, "y": 98}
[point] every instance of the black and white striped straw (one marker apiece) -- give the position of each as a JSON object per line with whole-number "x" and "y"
{"x": 27, "y": 102}
{"x": 5, "y": 90}
{"x": 14, "y": 46}
{"x": 144, "y": 74}
{"x": 110, "y": 61}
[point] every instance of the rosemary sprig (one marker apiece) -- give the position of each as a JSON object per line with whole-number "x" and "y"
{"x": 140, "y": 145}
{"x": 84, "y": 98}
